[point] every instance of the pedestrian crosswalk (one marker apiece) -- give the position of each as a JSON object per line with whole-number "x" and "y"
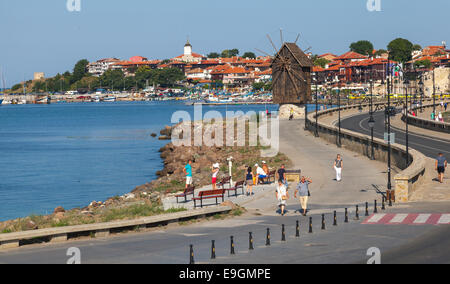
{"x": 408, "y": 219}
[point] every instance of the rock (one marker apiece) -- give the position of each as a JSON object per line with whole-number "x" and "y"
{"x": 285, "y": 111}
{"x": 229, "y": 203}
{"x": 130, "y": 196}
{"x": 153, "y": 135}
{"x": 30, "y": 225}
{"x": 164, "y": 137}
{"x": 59, "y": 209}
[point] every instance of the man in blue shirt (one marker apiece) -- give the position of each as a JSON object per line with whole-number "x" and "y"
{"x": 188, "y": 172}
{"x": 303, "y": 190}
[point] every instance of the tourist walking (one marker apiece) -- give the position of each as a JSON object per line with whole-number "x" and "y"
{"x": 249, "y": 181}
{"x": 282, "y": 196}
{"x": 291, "y": 115}
{"x": 215, "y": 172}
{"x": 188, "y": 173}
{"x": 445, "y": 106}
{"x": 338, "y": 165}
{"x": 441, "y": 165}
{"x": 440, "y": 117}
{"x": 282, "y": 175}
{"x": 303, "y": 192}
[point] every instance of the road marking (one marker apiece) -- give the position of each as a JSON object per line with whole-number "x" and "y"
{"x": 398, "y": 218}
{"x": 445, "y": 219}
{"x": 375, "y": 218}
{"x": 422, "y": 218}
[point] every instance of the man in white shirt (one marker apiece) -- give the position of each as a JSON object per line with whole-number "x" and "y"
{"x": 260, "y": 173}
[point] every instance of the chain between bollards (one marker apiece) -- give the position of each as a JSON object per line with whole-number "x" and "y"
{"x": 191, "y": 255}
{"x": 268, "y": 237}
{"x": 213, "y": 249}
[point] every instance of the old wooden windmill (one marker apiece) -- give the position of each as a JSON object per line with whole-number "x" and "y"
{"x": 291, "y": 75}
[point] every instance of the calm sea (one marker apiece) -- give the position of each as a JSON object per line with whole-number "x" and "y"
{"x": 71, "y": 154}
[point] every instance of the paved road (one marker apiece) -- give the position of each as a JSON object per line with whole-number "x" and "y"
{"x": 429, "y": 146}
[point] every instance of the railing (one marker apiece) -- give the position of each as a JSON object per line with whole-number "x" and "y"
{"x": 427, "y": 123}
{"x": 410, "y": 175}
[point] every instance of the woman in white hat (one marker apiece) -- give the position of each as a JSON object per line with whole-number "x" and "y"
{"x": 215, "y": 172}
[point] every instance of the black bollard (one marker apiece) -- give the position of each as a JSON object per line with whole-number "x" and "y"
{"x": 213, "y": 249}
{"x": 310, "y": 225}
{"x": 375, "y": 209}
{"x": 297, "y": 229}
{"x": 383, "y": 206}
{"x": 250, "y": 241}
{"x": 268, "y": 237}
{"x": 390, "y": 197}
{"x": 335, "y": 219}
{"x": 191, "y": 255}
{"x": 323, "y": 221}
{"x": 367, "y": 208}
{"x": 346, "y": 216}
{"x": 283, "y": 233}
{"x": 232, "y": 245}
{"x": 357, "y": 213}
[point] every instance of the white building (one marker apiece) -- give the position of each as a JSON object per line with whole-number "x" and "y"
{"x": 188, "y": 56}
{"x": 99, "y": 67}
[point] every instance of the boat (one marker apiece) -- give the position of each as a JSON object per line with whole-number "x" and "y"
{"x": 109, "y": 99}
{"x": 1, "y": 102}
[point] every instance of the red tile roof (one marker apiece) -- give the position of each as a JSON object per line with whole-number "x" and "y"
{"x": 350, "y": 55}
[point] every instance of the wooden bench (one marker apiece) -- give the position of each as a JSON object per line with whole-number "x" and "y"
{"x": 190, "y": 190}
{"x": 209, "y": 194}
{"x": 238, "y": 185}
{"x": 272, "y": 175}
{"x": 224, "y": 181}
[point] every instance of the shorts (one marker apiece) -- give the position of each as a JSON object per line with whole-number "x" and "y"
{"x": 214, "y": 180}
{"x": 262, "y": 176}
{"x": 441, "y": 170}
{"x": 188, "y": 180}
{"x": 249, "y": 182}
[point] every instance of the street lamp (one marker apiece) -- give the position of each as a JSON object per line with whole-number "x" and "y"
{"x": 316, "y": 132}
{"x": 371, "y": 119}
{"x": 336, "y": 80}
{"x": 406, "y": 120}
{"x": 389, "y": 83}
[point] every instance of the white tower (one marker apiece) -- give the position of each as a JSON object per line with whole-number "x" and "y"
{"x": 187, "y": 49}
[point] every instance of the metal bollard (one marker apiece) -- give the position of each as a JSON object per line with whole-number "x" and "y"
{"x": 283, "y": 233}
{"x": 191, "y": 255}
{"x": 375, "y": 209}
{"x": 310, "y": 225}
{"x": 250, "y": 241}
{"x": 346, "y": 216}
{"x": 383, "y": 206}
{"x": 268, "y": 237}
{"x": 213, "y": 249}
{"x": 232, "y": 245}
{"x": 323, "y": 221}
{"x": 357, "y": 213}
{"x": 367, "y": 208}
{"x": 297, "y": 229}
{"x": 335, "y": 219}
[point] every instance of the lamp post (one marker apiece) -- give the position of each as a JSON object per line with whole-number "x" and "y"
{"x": 339, "y": 113}
{"x": 371, "y": 120}
{"x": 316, "y": 131}
{"x": 434, "y": 95}
{"x": 406, "y": 120}
{"x": 389, "y": 83}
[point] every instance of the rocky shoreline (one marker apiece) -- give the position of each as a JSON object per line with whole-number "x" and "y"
{"x": 146, "y": 199}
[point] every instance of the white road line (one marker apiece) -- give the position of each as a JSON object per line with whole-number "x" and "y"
{"x": 445, "y": 219}
{"x": 422, "y": 219}
{"x": 398, "y": 218}
{"x": 375, "y": 218}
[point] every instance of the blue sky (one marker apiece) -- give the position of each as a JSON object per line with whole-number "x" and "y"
{"x": 43, "y": 36}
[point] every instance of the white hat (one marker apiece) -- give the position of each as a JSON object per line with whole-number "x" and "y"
{"x": 263, "y": 162}
{"x": 256, "y": 165}
{"x": 216, "y": 165}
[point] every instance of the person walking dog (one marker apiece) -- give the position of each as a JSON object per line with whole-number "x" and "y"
{"x": 303, "y": 192}
{"x": 338, "y": 165}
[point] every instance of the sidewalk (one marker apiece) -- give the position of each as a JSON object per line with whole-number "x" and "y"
{"x": 398, "y": 123}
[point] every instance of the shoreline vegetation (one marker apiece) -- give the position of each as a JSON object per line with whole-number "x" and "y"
{"x": 146, "y": 200}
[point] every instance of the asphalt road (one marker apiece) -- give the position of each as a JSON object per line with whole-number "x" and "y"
{"x": 429, "y": 146}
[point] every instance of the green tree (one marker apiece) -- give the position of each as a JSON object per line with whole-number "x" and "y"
{"x": 400, "y": 50}
{"x": 213, "y": 55}
{"x": 423, "y": 63}
{"x": 249, "y": 55}
{"x": 380, "y": 52}
{"x": 227, "y": 53}
{"x": 16, "y": 87}
{"x": 363, "y": 47}
{"x": 79, "y": 71}
{"x": 258, "y": 86}
{"x": 417, "y": 47}
{"x": 322, "y": 62}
